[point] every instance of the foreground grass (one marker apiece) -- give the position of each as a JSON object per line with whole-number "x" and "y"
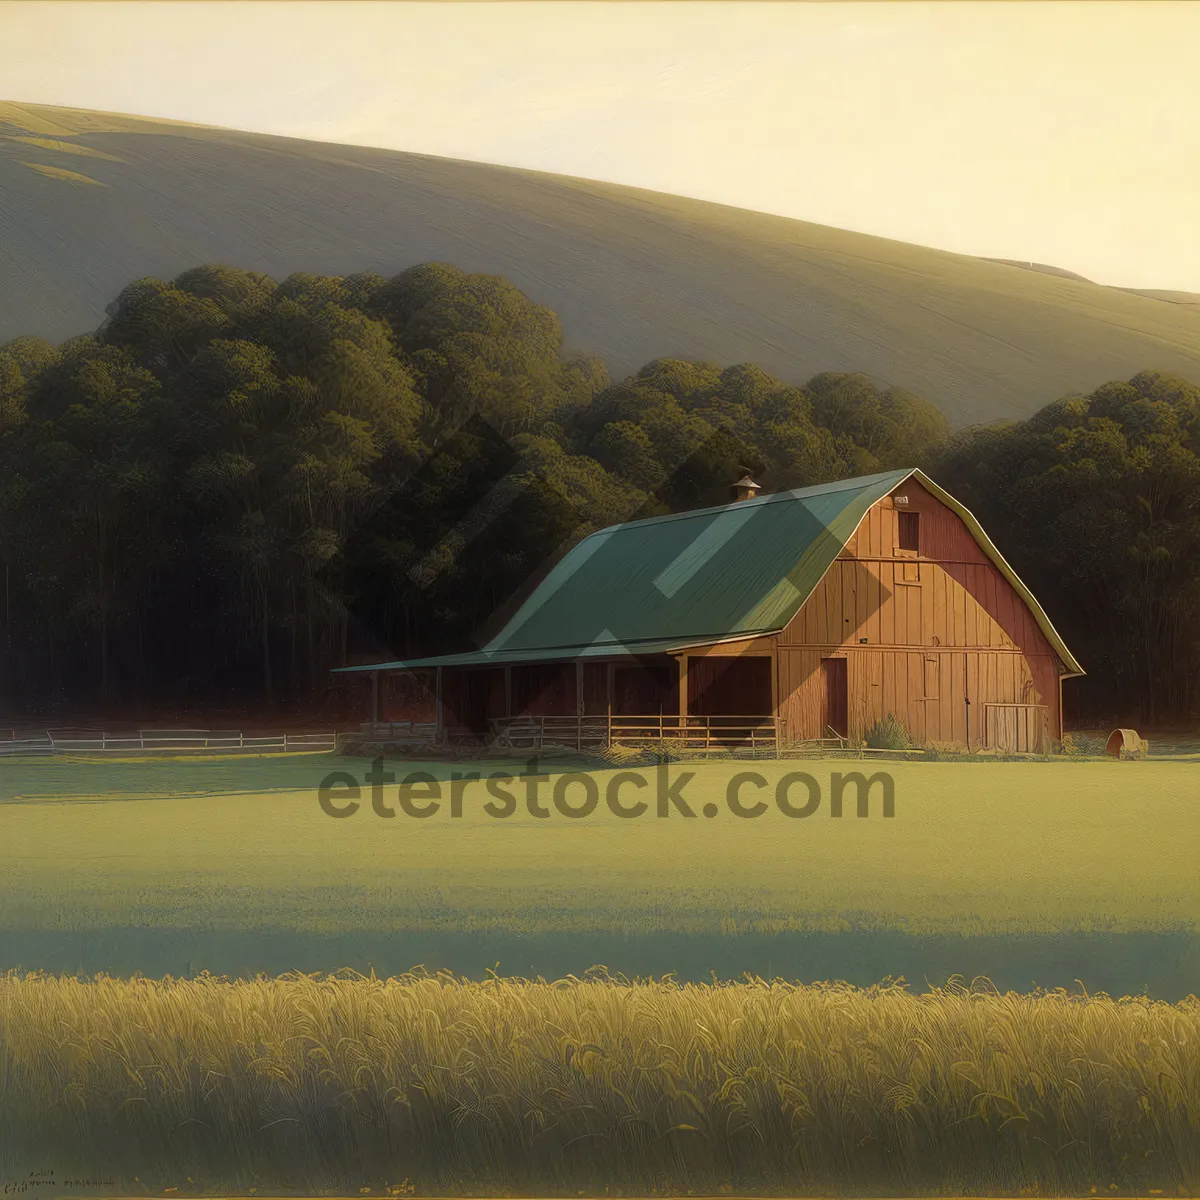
{"x": 1014, "y": 847}
{"x": 1074, "y": 870}
{"x": 581, "y": 1086}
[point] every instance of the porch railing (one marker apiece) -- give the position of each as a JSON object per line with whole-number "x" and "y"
{"x": 692, "y": 733}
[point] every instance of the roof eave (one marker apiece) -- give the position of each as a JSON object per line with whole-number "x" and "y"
{"x": 486, "y": 658}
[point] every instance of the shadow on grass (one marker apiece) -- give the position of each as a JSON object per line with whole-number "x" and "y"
{"x": 1165, "y": 965}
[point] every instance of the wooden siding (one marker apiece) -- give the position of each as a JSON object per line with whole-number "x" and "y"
{"x": 645, "y": 689}
{"x": 735, "y": 685}
{"x": 542, "y": 689}
{"x": 933, "y": 637}
{"x": 469, "y": 697}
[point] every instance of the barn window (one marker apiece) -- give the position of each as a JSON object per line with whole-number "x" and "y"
{"x": 910, "y": 531}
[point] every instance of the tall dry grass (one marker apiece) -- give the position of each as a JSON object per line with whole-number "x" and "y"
{"x": 595, "y": 1085}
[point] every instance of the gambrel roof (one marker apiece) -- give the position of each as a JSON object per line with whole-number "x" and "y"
{"x": 694, "y": 578}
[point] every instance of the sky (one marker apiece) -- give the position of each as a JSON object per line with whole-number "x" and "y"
{"x": 1062, "y": 133}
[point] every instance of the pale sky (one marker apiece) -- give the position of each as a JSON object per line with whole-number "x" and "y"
{"x": 1064, "y": 133}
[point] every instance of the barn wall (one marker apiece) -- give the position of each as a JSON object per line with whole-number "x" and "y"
{"x": 470, "y": 696}
{"x": 543, "y": 689}
{"x": 923, "y": 633}
{"x": 730, "y": 685}
{"x": 646, "y": 688}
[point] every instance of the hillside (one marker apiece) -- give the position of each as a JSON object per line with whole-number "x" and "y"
{"x": 90, "y": 201}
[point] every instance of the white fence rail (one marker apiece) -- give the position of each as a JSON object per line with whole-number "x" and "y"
{"x": 186, "y": 741}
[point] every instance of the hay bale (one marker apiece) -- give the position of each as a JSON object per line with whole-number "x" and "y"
{"x": 1126, "y": 743}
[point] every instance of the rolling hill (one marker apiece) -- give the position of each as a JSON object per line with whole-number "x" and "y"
{"x": 89, "y": 201}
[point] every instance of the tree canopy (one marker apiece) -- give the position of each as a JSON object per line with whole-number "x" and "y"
{"x": 1096, "y": 503}
{"x": 235, "y": 482}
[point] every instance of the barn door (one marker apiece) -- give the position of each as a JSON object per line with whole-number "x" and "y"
{"x": 836, "y": 715}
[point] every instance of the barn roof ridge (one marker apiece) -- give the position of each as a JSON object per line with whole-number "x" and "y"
{"x": 853, "y": 483}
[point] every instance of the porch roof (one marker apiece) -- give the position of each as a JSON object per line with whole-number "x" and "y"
{"x": 489, "y": 657}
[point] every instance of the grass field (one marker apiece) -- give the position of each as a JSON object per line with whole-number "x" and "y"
{"x": 1027, "y": 872}
{"x": 436, "y": 1086}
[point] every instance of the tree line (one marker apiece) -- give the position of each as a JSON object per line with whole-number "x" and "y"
{"x": 235, "y": 484}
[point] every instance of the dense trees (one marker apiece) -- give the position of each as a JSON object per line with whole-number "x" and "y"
{"x": 234, "y": 483}
{"x": 1096, "y": 502}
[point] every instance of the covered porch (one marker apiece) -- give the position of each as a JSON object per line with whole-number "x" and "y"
{"x": 688, "y": 695}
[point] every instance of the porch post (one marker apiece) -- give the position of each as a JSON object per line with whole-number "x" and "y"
{"x": 775, "y": 697}
{"x": 610, "y": 670}
{"x": 683, "y": 690}
{"x": 374, "y": 697}
{"x": 579, "y": 704}
{"x": 439, "y": 727}
{"x": 508, "y": 712}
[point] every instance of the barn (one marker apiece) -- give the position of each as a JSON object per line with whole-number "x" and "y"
{"x": 789, "y": 619}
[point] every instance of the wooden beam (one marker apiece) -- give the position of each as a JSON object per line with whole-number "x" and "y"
{"x": 579, "y": 687}
{"x": 683, "y": 688}
{"x": 374, "y": 697}
{"x": 508, "y": 712}
{"x": 439, "y": 726}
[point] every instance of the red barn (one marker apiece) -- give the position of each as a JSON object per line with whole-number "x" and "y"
{"x": 780, "y": 619}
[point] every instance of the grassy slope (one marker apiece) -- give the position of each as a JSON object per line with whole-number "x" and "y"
{"x": 633, "y": 274}
{"x": 1001, "y": 854}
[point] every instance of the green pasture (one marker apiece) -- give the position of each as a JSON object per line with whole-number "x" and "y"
{"x": 1054, "y": 871}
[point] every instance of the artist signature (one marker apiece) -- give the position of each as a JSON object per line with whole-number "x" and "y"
{"x": 47, "y": 1178}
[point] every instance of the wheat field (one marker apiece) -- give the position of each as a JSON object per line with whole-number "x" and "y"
{"x": 430, "y": 1084}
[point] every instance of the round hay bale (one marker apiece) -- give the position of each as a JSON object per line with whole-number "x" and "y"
{"x": 1126, "y": 743}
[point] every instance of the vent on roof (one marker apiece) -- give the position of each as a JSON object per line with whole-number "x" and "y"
{"x": 745, "y": 488}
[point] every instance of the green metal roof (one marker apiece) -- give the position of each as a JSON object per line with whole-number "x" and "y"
{"x": 694, "y": 578}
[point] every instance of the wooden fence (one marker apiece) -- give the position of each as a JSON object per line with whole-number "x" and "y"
{"x": 693, "y": 734}
{"x": 186, "y": 741}
{"x": 397, "y": 731}
{"x": 1016, "y": 728}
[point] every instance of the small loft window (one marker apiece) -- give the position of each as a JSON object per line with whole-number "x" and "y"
{"x": 910, "y": 531}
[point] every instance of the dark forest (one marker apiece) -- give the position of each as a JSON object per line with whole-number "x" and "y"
{"x": 235, "y": 484}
